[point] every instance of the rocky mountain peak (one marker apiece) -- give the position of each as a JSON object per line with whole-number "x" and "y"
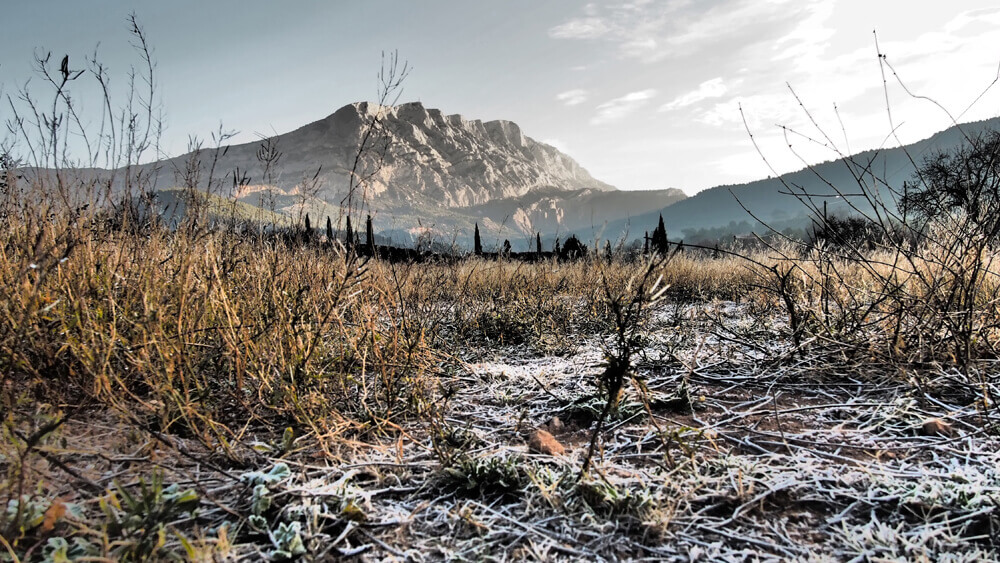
{"x": 441, "y": 169}
{"x": 456, "y": 162}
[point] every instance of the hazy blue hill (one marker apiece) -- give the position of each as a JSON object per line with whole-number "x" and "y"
{"x": 768, "y": 200}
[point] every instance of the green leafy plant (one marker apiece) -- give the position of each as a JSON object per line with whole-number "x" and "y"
{"x": 608, "y": 500}
{"x": 60, "y": 550}
{"x": 138, "y": 520}
{"x": 491, "y": 477}
{"x": 287, "y": 540}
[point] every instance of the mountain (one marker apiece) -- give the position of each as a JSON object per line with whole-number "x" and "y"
{"x": 440, "y": 175}
{"x": 722, "y": 208}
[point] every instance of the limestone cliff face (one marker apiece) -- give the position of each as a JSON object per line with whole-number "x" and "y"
{"x": 454, "y": 162}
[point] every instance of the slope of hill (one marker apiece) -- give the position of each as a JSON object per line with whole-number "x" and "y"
{"x": 766, "y": 199}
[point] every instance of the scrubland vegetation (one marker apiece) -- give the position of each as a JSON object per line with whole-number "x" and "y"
{"x": 201, "y": 391}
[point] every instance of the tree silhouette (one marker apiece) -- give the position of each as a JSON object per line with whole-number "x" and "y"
{"x": 659, "y": 241}
{"x": 573, "y": 249}
{"x": 966, "y": 179}
{"x": 477, "y": 243}
{"x": 370, "y": 235}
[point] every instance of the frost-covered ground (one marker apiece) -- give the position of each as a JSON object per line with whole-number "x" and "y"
{"x": 780, "y": 457}
{"x": 733, "y": 448}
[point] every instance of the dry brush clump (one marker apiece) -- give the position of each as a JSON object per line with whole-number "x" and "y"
{"x": 547, "y": 306}
{"x": 910, "y": 280}
{"x": 203, "y": 332}
{"x": 912, "y": 308}
{"x": 228, "y": 342}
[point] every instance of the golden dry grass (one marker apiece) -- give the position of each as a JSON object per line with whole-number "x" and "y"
{"x": 227, "y": 339}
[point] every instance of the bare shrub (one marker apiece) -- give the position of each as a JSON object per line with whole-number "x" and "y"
{"x": 910, "y": 277}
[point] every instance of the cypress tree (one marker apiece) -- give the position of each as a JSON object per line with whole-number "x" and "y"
{"x": 538, "y": 243}
{"x": 370, "y": 234}
{"x": 349, "y": 239}
{"x": 660, "y": 243}
{"x": 307, "y": 235}
{"x": 477, "y": 243}
{"x": 329, "y": 230}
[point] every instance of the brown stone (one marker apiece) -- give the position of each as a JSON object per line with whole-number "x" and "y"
{"x": 554, "y": 426}
{"x": 937, "y": 427}
{"x": 542, "y": 442}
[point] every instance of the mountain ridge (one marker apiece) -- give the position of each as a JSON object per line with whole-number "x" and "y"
{"x": 443, "y": 172}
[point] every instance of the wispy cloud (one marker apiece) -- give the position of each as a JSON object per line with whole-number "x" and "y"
{"x": 650, "y": 30}
{"x": 581, "y": 28}
{"x": 926, "y": 64}
{"x": 761, "y": 51}
{"x": 714, "y": 88}
{"x": 619, "y": 108}
{"x": 573, "y": 97}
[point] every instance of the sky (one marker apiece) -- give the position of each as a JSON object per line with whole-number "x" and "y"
{"x": 644, "y": 94}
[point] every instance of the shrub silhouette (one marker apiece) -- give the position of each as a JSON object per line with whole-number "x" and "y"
{"x": 850, "y": 234}
{"x": 572, "y": 249}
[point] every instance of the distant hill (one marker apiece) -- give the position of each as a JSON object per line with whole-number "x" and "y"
{"x": 717, "y": 208}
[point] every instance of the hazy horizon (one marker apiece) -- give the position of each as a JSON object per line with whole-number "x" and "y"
{"x": 643, "y": 94}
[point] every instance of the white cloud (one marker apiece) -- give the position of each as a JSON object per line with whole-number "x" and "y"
{"x": 573, "y": 97}
{"x": 581, "y": 28}
{"x": 651, "y": 30}
{"x": 761, "y": 51}
{"x": 714, "y": 88}
{"x": 931, "y": 64}
{"x": 987, "y": 16}
{"x": 619, "y": 108}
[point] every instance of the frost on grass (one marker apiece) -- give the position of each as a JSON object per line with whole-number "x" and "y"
{"x": 776, "y": 461}
{"x": 775, "y": 456}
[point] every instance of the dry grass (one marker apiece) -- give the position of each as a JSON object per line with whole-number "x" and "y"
{"x": 935, "y": 303}
{"x": 206, "y": 332}
{"x": 305, "y": 400}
